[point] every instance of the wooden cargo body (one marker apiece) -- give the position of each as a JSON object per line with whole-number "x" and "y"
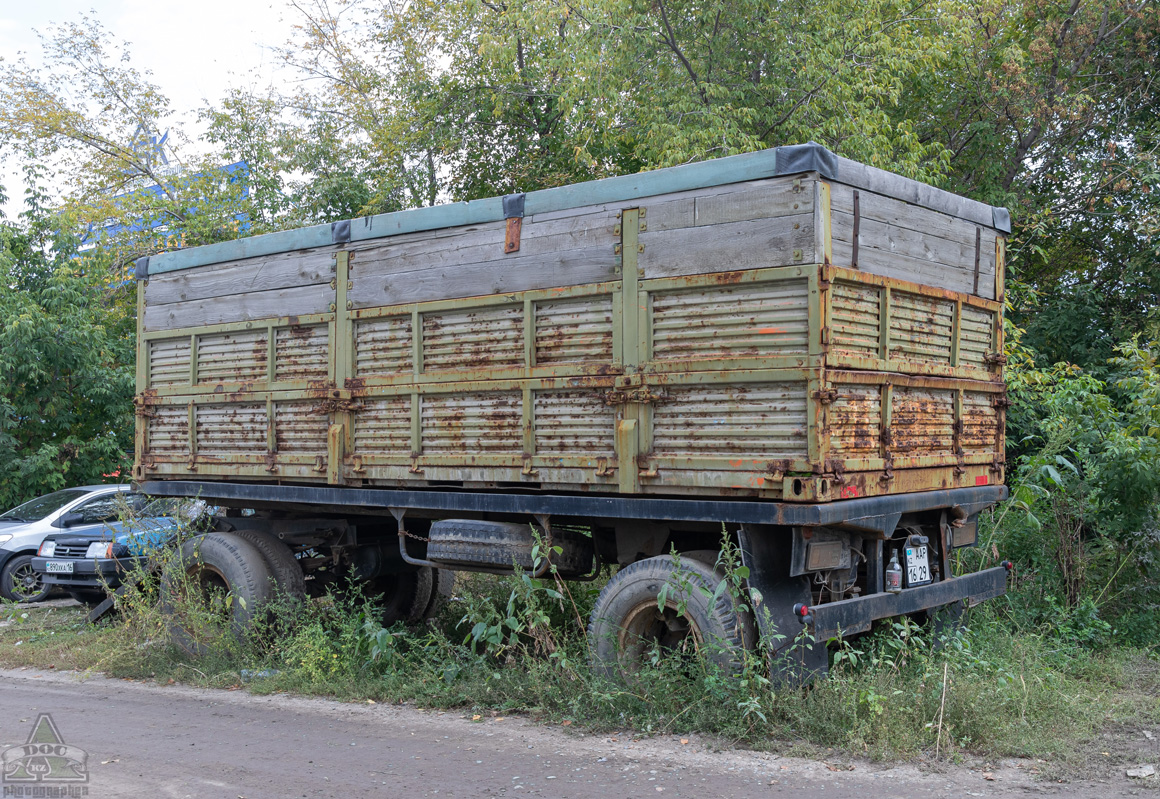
{"x": 783, "y": 325}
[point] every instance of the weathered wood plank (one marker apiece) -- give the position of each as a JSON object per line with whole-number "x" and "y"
{"x": 889, "y": 184}
{"x": 727, "y": 247}
{"x": 914, "y": 244}
{"x": 284, "y": 270}
{"x": 241, "y": 307}
{"x": 915, "y": 270}
{"x": 515, "y": 273}
{"x": 900, "y": 214}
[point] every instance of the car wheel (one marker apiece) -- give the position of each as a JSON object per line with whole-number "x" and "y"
{"x": 19, "y": 582}
{"x": 649, "y": 605}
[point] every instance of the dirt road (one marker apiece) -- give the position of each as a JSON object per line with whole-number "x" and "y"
{"x": 171, "y": 741}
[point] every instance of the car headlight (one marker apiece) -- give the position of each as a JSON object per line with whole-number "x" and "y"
{"x": 47, "y": 549}
{"x": 4, "y": 539}
{"x": 100, "y": 549}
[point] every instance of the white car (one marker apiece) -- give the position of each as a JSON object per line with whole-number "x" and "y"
{"x": 23, "y": 528}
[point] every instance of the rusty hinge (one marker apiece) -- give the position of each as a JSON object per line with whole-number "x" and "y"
{"x": 603, "y": 469}
{"x": 888, "y": 474}
{"x": 528, "y": 470}
{"x": 1001, "y": 401}
{"x": 641, "y": 395}
{"x": 825, "y": 395}
{"x": 823, "y": 281}
{"x": 415, "y": 468}
{"x": 645, "y": 470}
{"x": 271, "y": 465}
{"x": 191, "y": 465}
{"x": 995, "y": 358}
{"x": 356, "y": 465}
{"x": 825, "y": 336}
{"x": 513, "y": 212}
{"x": 960, "y": 470}
{"x": 320, "y": 463}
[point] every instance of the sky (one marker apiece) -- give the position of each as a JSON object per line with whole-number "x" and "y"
{"x": 195, "y": 50}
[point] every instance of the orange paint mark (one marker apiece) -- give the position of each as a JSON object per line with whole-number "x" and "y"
{"x": 981, "y": 480}
{"x": 770, "y": 330}
{"x": 756, "y": 482}
{"x": 736, "y": 464}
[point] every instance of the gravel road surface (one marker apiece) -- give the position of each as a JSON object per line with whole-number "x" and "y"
{"x": 145, "y": 740}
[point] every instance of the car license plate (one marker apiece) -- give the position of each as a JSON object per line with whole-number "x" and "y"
{"x": 58, "y": 567}
{"x": 917, "y": 566}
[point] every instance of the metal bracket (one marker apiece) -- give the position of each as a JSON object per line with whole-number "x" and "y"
{"x": 825, "y": 395}
{"x": 603, "y": 469}
{"x": 995, "y": 358}
{"x": 642, "y": 395}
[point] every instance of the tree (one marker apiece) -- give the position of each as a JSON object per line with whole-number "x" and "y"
{"x": 66, "y": 363}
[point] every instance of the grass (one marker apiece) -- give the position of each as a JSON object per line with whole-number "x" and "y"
{"x": 993, "y": 690}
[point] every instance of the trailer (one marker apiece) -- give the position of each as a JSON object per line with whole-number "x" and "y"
{"x": 795, "y": 348}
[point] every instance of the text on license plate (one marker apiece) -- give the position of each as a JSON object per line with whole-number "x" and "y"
{"x": 917, "y": 566}
{"x": 58, "y": 566}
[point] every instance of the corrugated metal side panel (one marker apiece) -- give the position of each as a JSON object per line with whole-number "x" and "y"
{"x": 383, "y": 426}
{"x": 232, "y": 357}
{"x": 473, "y": 339}
{"x": 855, "y": 422}
{"x": 383, "y": 346}
{"x": 760, "y": 420}
{"x": 976, "y": 336}
{"x": 169, "y": 362}
{"x": 980, "y": 422}
{"x": 472, "y": 422}
{"x": 574, "y": 422}
{"x": 299, "y": 428}
{"x": 231, "y": 428}
{"x": 301, "y": 352}
{"x": 920, "y": 328}
{"x": 574, "y": 330}
{"x": 769, "y": 319}
{"x": 855, "y": 317}
{"x": 922, "y": 422}
{"x": 169, "y": 430}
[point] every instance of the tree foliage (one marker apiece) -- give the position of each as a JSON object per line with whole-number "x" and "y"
{"x": 66, "y": 363}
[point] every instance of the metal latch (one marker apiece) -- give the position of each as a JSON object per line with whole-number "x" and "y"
{"x": 642, "y": 395}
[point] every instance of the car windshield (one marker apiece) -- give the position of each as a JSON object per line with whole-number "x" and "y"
{"x": 36, "y": 509}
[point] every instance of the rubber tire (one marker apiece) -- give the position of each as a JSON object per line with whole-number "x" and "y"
{"x": 441, "y": 592}
{"x": 287, "y": 574}
{"x": 89, "y": 597}
{"x": 727, "y": 630}
{"x": 481, "y": 543}
{"x": 8, "y": 576}
{"x": 404, "y": 595}
{"x": 242, "y": 568}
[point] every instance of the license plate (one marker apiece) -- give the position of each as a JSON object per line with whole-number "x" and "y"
{"x": 58, "y": 567}
{"x": 917, "y": 566}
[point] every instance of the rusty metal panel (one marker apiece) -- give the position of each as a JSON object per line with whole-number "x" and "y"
{"x": 760, "y": 420}
{"x": 383, "y": 426}
{"x": 237, "y": 357}
{"x": 474, "y": 338}
{"x": 980, "y": 422}
{"x": 709, "y": 322}
{"x": 383, "y": 347}
{"x": 169, "y": 362}
{"x": 855, "y": 421}
{"x": 231, "y": 428}
{"x": 472, "y": 422}
{"x": 855, "y": 319}
{"x": 574, "y": 423}
{"x": 976, "y": 336}
{"x": 300, "y": 427}
{"x": 168, "y": 431}
{"x": 301, "y": 352}
{"x": 574, "y": 331}
{"x": 921, "y": 328}
{"x": 922, "y": 422}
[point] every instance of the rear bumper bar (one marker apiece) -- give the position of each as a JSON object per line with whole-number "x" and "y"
{"x": 851, "y": 616}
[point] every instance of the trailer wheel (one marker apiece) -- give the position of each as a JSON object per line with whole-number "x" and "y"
{"x": 287, "y": 574}
{"x": 471, "y": 542}
{"x": 441, "y": 591}
{"x": 217, "y": 580}
{"x": 628, "y": 620}
{"x": 405, "y": 595}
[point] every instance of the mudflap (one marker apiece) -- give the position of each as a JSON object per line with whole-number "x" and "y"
{"x": 794, "y": 656}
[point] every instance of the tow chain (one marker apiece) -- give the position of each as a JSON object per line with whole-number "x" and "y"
{"x": 412, "y": 535}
